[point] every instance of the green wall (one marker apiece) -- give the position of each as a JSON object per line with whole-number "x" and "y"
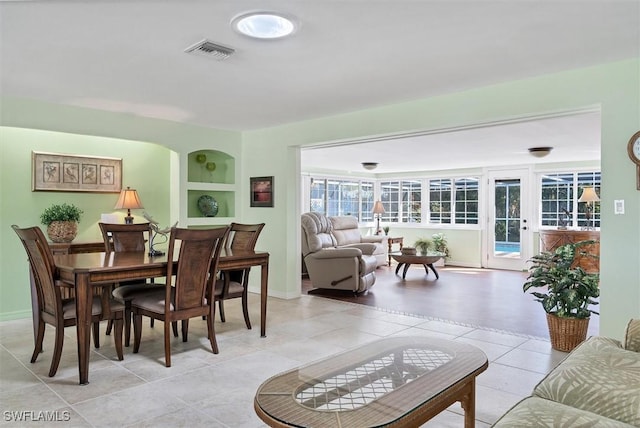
{"x": 614, "y": 88}
{"x": 146, "y": 167}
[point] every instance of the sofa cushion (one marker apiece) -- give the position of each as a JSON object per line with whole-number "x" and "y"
{"x": 632, "y": 336}
{"x": 345, "y": 230}
{"x": 535, "y": 412}
{"x": 598, "y": 376}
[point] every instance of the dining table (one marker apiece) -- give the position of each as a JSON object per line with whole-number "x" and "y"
{"x": 85, "y": 271}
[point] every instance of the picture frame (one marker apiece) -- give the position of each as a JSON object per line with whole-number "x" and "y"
{"x": 261, "y": 191}
{"x": 54, "y": 172}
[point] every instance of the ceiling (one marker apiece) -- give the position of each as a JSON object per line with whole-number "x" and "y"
{"x": 128, "y": 56}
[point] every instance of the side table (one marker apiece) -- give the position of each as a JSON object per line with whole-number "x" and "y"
{"x": 391, "y": 241}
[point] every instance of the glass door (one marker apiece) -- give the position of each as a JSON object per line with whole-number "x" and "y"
{"x": 508, "y": 230}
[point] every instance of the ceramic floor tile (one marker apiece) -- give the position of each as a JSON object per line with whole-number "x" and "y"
{"x": 217, "y": 390}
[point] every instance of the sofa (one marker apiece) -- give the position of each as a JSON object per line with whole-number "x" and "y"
{"x": 346, "y": 232}
{"x": 596, "y": 385}
{"x": 346, "y": 267}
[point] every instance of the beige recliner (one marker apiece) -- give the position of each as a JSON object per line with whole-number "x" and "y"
{"x": 351, "y": 267}
{"x": 346, "y": 232}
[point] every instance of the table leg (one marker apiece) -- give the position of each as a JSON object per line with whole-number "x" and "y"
{"x": 468, "y": 403}
{"x": 398, "y": 267}
{"x": 264, "y": 270}
{"x": 406, "y": 268}
{"x": 84, "y": 297}
{"x": 435, "y": 272}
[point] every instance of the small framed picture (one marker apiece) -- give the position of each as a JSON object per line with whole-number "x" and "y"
{"x": 261, "y": 191}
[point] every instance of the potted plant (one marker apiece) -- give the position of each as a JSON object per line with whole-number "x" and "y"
{"x": 423, "y": 245}
{"x": 386, "y": 230}
{"x": 440, "y": 245}
{"x": 567, "y": 292}
{"x": 61, "y": 221}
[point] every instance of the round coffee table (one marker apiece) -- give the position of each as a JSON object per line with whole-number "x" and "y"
{"x": 416, "y": 259}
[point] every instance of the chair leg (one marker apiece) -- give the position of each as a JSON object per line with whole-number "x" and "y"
{"x": 245, "y": 309}
{"x": 57, "y": 351}
{"x": 109, "y": 327}
{"x": 137, "y": 332}
{"x": 221, "y": 307}
{"x": 174, "y": 327}
{"x": 127, "y": 323}
{"x": 167, "y": 344}
{"x": 151, "y": 320}
{"x": 211, "y": 330}
{"x": 118, "y": 338}
{"x": 96, "y": 334}
{"x": 39, "y": 338}
{"x": 185, "y": 329}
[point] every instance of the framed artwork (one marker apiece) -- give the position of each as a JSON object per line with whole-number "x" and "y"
{"x": 261, "y": 191}
{"x": 71, "y": 173}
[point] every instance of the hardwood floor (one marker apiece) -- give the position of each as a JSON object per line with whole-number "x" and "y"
{"x": 479, "y": 297}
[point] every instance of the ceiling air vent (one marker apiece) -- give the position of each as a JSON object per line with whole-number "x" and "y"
{"x": 210, "y": 50}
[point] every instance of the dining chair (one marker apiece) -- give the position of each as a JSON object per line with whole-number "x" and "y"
{"x": 128, "y": 238}
{"x": 184, "y": 297}
{"x": 55, "y": 310}
{"x": 233, "y": 284}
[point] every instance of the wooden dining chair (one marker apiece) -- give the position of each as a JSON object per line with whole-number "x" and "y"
{"x": 55, "y": 310}
{"x": 233, "y": 284}
{"x": 195, "y": 272}
{"x": 128, "y": 238}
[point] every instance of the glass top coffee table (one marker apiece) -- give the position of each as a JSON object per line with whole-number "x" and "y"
{"x": 403, "y": 381}
{"x": 426, "y": 260}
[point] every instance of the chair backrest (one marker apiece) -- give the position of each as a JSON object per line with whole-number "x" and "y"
{"x": 316, "y": 233}
{"x": 197, "y": 265}
{"x": 42, "y": 266}
{"x": 124, "y": 237}
{"x": 244, "y": 236}
{"x": 345, "y": 230}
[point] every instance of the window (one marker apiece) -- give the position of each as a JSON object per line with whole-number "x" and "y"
{"x": 440, "y": 201}
{"x": 466, "y": 194}
{"x": 335, "y": 197}
{"x": 390, "y": 197}
{"x": 559, "y": 199}
{"x": 411, "y": 201}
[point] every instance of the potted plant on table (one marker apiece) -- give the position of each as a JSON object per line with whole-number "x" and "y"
{"x": 61, "y": 221}
{"x": 568, "y": 291}
{"x": 423, "y": 245}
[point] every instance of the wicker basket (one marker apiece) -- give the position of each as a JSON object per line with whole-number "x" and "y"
{"x": 566, "y": 333}
{"x": 62, "y": 231}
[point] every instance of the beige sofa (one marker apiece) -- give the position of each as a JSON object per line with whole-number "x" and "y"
{"x": 346, "y": 232}
{"x": 347, "y": 267}
{"x": 597, "y": 385}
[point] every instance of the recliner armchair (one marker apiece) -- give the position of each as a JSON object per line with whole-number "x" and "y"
{"x": 350, "y": 267}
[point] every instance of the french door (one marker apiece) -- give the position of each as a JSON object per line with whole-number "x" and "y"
{"x": 508, "y": 243}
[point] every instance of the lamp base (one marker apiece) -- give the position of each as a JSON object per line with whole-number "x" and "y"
{"x": 128, "y": 220}
{"x": 154, "y": 253}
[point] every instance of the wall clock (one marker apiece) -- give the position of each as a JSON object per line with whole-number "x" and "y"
{"x": 633, "y": 148}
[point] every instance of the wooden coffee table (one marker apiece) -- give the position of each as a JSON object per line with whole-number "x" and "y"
{"x": 426, "y": 260}
{"x": 402, "y": 381}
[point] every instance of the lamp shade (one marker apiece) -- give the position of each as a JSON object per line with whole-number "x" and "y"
{"x": 128, "y": 200}
{"x": 589, "y": 195}
{"x": 378, "y": 208}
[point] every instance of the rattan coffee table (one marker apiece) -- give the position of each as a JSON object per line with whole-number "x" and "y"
{"x": 402, "y": 381}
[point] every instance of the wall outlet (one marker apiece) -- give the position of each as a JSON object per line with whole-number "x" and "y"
{"x": 618, "y": 206}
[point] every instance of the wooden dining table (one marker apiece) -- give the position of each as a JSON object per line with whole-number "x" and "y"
{"x": 87, "y": 270}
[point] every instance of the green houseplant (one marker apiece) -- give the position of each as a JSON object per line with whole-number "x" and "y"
{"x": 440, "y": 243}
{"x": 61, "y": 221}
{"x": 566, "y": 292}
{"x": 423, "y": 245}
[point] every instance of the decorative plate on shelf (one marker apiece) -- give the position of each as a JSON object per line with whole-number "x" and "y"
{"x": 208, "y": 206}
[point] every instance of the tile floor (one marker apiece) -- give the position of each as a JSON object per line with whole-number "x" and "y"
{"x": 203, "y": 389}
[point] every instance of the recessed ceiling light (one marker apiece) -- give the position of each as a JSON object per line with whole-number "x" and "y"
{"x": 263, "y": 25}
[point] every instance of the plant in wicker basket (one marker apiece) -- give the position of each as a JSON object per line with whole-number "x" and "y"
{"x": 567, "y": 292}
{"x": 61, "y": 221}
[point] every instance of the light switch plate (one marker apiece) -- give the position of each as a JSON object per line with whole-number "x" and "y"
{"x": 618, "y": 206}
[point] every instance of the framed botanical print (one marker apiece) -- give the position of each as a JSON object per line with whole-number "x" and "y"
{"x": 75, "y": 173}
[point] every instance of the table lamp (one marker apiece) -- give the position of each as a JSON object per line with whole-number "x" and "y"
{"x": 589, "y": 196}
{"x": 128, "y": 200}
{"x": 378, "y": 210}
